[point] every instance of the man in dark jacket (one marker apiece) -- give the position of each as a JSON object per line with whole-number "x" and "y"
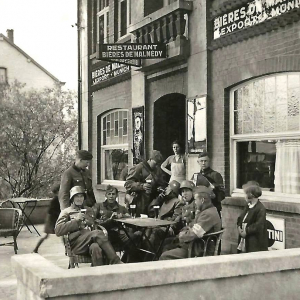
{"x": 206, "y": 220}
{"x": 77, "y": 175}
{"x": 142, "y": 182}
{"x": 210, "y": 178}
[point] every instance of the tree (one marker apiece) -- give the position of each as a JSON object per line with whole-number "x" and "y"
{"x": 38, "y": 138}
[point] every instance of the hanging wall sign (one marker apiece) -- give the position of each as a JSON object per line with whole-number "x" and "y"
{"x": 109, "y": 71}
{"x": 196, "y": 131}
{"x": 138, "y": 134}
{"x": 251, "y": 13}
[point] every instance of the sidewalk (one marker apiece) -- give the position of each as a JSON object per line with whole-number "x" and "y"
{"x": 52, "y": 249}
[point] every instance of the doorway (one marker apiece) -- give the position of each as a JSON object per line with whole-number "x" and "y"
{"x": 169, "y": 123}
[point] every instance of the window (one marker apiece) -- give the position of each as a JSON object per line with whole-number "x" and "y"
{"x": 3, "y": 78}
{"x": 265, "y": 133}
{"x": 114, "y": 145}
{"x": 151, "y": 6}
{"x": 124, "y": 17}
{"x": 103, "y": 21}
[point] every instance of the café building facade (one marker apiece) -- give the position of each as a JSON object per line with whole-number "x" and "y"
{"x": 230, "y": 84}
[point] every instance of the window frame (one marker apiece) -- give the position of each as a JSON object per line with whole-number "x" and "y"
{"x": 235, "y": 138}
{"x": 104, "y": 12}
{"x": 128, "y": 17}
{"x": 5, "y": 75}
{"x": 112, "y": 146}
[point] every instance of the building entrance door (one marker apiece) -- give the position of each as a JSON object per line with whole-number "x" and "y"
{"x": 169, "y": 123}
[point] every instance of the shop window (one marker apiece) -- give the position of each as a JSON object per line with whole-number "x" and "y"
{"x": 151, "y": 6}
{"x": 265, "y": 133}
{"x": 102, "y": 21}
{"x": 124, "y": 16}
{"x": 114, "y": 146}
{"x": 3, "y": 78}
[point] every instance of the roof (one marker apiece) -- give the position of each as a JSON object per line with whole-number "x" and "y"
{"x": 31, "y": 59}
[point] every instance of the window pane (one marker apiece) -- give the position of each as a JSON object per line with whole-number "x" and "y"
{"x": 101, "y": 29}
{"x": 268, "y": 105}
{"x": 107, "y": 26}
{"x": 151, "y": 6}
{"x": 108, "y": 129}
{"x": 123, "y": 17}
{"x": 256, "y": 161}
{"x": 2, "y": 75}
{"x": 116, "y": 127}
{"x": 124, "y": 126}
{"x": 116, "y": 164}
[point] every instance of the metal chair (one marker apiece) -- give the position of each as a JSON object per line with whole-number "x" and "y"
{"x": 10, "y": 224}
{"x": 74, "y": 259}
{"x": 208, "y": 245}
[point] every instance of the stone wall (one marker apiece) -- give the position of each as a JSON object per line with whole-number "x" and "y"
{"x": 262, "y": 275}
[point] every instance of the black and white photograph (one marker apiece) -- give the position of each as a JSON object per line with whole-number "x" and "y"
{"x": 149, "y": 149}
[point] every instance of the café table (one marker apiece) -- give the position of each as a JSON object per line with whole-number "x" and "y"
{"x": 142, "y": 224}
{"x": 27, "y": 207}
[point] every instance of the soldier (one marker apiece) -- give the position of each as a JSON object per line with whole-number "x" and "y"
{"x": 77, "y": 175}
{"x": 207, "y": 220}
{"x": 85, "y": 235}
{"x": 142, "y": 182}
{"x": 210, "y": 178}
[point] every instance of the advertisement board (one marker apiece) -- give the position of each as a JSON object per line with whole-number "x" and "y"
{"x": 276, "y": 232}
{"x": 251, "y": 13}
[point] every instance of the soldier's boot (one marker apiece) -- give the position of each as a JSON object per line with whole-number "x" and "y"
{"x": 111, "y": 254}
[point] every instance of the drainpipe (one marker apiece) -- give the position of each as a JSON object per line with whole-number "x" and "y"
{"x": 79, "y": 73}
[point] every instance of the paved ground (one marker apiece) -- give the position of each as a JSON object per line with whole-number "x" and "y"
{"x": 51, "y": 249}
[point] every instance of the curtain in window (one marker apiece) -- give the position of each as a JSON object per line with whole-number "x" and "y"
{"x": 108, "y": 165}
{"x": 287, "y": 167}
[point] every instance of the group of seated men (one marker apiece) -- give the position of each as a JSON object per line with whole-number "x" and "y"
{"x": 93, "y": 231}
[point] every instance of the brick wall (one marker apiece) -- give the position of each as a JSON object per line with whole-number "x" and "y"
{"x": 109, "y": 98}
{"x": 233, "y": 207}
{"x": 276, "y": 51}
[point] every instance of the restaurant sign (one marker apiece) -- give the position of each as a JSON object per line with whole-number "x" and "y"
{"x": 131, "y": 51}
{"x": 251, "y": 13}
{"x": 108, "y": 71}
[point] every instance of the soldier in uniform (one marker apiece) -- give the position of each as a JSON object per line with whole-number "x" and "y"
{"x": 86, "y": 236}
{"x": 210, "y": 178}
{"x": 77, "y": 175}
{"x": 142, "y": 182}
{"x": 207, "y": 220}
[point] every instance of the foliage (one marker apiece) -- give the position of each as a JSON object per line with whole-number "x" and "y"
{"x": 38, "y": 138}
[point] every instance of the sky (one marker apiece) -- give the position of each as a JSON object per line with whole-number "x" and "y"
{"x": 43, "y": 29}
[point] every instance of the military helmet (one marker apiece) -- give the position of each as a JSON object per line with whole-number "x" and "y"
{"x": 174, "y": 186}
{"x": 186, "y": 184}
{"x": 76, "y": 190}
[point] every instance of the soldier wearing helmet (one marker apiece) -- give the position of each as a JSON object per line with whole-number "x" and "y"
{"x": 80, "y": 227}
{"x": 170, "y": 210}
{"x": 207, "y": 220}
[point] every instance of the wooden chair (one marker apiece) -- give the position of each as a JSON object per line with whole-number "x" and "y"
{"x": 75, "y": 260}
{"x": 10, "y": 224}
{"x": 208, "y": 245}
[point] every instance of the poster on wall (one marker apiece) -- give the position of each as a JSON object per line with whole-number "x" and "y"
{"x": 276, "y": 233}
{"x": 138, "y": 134}
{"x": 196, "y": 122}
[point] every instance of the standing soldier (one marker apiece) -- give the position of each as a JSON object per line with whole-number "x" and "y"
{"x": 210, "y": 178}
{"x": 77, "y": 175}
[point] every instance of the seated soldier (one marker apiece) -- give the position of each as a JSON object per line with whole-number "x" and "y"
{"x": 207, "y": 220}
{"x": 186, "y": 215}
{"x": 84, "y": 238}
{"x": 170, "y": 210}
{"x": 107, "y": 211}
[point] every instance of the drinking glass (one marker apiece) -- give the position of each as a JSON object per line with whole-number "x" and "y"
{"x": 132, "y": 208}
{"x": 156, "y": 212}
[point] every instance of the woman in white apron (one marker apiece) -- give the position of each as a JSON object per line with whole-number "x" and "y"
{"x": 174, "y": 165}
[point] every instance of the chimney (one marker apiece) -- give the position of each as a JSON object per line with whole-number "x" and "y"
{"x": 10, "y": 34}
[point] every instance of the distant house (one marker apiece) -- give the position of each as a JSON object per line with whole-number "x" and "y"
{"x": 15, "y": 64}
